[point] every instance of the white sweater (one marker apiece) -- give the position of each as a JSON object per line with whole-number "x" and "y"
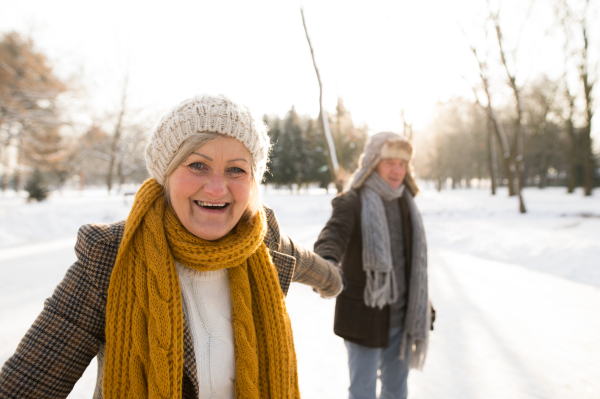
{"x": 206, "y": 298}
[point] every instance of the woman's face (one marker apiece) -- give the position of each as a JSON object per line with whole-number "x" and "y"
{"x": 211, "y": 189}
{"x": 392, "y": 170}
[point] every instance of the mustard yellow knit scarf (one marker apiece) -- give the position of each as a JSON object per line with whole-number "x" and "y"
{"x": 144, "y": 315}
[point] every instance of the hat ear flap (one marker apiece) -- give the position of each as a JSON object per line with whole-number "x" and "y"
{"x": 410, "y": 182}
{"x": 362, "y": 173}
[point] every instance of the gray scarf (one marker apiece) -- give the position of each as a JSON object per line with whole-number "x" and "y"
{"x": 381, "y": 288}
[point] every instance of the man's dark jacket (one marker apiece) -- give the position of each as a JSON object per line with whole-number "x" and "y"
{"x": 341, "y": 240}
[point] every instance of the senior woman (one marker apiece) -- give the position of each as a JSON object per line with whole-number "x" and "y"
{"x": 184, "y": 299}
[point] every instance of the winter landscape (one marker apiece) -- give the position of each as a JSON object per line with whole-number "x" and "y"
{"x": 517, "y": 295}
{"x": 494, "y": 95}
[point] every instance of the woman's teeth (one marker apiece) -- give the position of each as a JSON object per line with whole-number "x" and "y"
{"x": 211, "y": 206}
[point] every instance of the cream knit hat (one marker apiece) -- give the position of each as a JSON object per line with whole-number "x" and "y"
{"x": 206, "y": 113}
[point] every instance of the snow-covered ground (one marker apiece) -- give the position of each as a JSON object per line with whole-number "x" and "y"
{"x": 518, "y": 296}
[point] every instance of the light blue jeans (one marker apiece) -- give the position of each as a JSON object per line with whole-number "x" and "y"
{"x": 364, "y": 362}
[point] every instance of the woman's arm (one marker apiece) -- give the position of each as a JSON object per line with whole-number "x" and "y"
{"x": 307, "y": 267}
{"x": 331, "y": 245}
{"x": 311, "y": 269}
{"x": 67, "y": 334}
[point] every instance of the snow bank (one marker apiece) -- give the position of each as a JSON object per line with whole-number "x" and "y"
{"x": 560, "y": 234}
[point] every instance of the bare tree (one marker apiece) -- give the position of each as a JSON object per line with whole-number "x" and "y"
{"x": 29, "y": 112}
{"x": 494, "y": 127}
{"x": 332, "y": 159}
{"x": 577, "y": 43}
{"x": 456, "y": 147}
{"x": 513, "y": 154}
{"x": 115, "y": 144}
{"x": 130, "y": 159}
{"x": 93, "y": 155}
{"x": 517, "y": 155}
{"x": 573, "y": 148}
{"x": 543, "y": 146}
{"x": 118, "y": 159}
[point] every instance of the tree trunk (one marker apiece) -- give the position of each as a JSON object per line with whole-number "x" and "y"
{"x": 507, "y": 152}
{"x": 588, "y": 163}
{"x": 81, "y": 181}
{"x": 114, "y": 146}
{"x": 588, "y": 156}
{"x": 5, "y": 165}
{"x": 518, "y": 158}
{"x": 4, "y": 182}
{"x": 580, "y": 151}
{"x": 543, "y": 167}
{"x": 18, "y": 173}
{"x": 492, "y": 163}
{"x": 509, "y": 176}
{"x": 332, "y": 159}
{"x": 520, "y": 186}
{"x": 543, "y": 173}
{"x": 120, "y": 175}
{"x": 5, "y": 177}
{"x": 113, "y": 152}
{"x": 573, "y": 151}
{"x": 339, "y": 186}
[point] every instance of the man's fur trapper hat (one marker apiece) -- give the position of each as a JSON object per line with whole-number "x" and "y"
{"x": 380, "y": 146}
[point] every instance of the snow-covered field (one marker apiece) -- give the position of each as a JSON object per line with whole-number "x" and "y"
{"x": 518, "y": 296}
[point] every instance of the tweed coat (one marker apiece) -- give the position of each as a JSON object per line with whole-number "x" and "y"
{"x": 69, "y": 332}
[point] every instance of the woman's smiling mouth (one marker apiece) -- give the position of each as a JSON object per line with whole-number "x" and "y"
{"x": 212, "y": 206}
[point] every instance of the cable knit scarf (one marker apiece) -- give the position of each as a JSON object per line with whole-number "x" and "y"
{"x": 381, "y": 287}
{"x": 144, "y": 315}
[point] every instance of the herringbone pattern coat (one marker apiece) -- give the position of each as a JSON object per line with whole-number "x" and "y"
{"x": 69, "y": 332}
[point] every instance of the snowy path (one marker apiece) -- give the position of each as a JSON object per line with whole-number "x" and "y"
{"x": 503, "y": 331}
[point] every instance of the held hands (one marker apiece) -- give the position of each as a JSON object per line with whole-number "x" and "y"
{"x": 338, "y": 268}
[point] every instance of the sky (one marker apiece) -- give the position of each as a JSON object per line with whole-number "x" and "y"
{"x": 380, "y": 56}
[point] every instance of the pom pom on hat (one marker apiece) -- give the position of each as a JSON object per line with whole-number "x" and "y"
{"x": 206, "y": 113}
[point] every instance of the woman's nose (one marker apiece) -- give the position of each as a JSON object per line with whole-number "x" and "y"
{"x": 216, "y": 186}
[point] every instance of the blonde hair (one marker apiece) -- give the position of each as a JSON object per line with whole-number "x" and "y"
{"x": 186, "y": 149}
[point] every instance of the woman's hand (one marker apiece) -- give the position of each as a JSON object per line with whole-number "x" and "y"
{"x": 337, "y": 267}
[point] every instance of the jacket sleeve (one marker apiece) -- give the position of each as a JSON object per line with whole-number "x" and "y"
{"x": 310, "y": 268}
{"x": 313, "y": 270}
{"x": 336, "y": 234}
{"x": 65, "y": 337}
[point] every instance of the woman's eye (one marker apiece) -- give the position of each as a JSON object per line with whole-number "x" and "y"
{"x": 197, "y": 166}
{"x": 236, "y": 171}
